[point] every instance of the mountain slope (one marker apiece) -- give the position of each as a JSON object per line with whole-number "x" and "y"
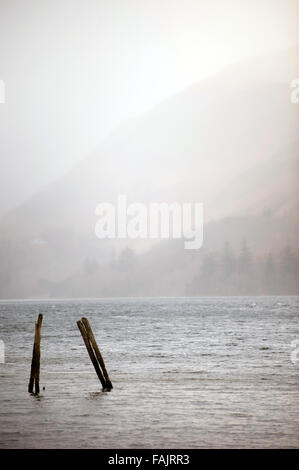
{"x": 214, "y": 143}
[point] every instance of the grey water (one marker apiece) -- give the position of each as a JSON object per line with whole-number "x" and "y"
{"x": 187, "y": 373}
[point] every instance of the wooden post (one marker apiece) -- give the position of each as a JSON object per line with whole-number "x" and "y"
{"x": 108, "y": 384}
{"x": 35, "y": 363}
{"x": 91, "y": 353}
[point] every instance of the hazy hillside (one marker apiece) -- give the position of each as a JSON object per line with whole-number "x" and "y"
{"x": 270, "y": 186}
{"x": 229, "y": 142}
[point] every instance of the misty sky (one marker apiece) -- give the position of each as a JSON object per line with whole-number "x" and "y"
{"x": 75, "y": 69}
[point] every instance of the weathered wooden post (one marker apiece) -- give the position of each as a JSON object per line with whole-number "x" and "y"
{"x": 94, "y": 353}
{"x": 35, "y": 363}
{"x": 91, "y": 353}
{"x": 98, "y": 354}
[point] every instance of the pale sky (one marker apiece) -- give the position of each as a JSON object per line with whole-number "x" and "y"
{"x": 75, "y": 69}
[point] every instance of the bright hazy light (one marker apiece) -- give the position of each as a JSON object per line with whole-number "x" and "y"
{"x": 75, "y": 69}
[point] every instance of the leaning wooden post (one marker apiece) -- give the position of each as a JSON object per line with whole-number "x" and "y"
{"x": 35, "y": 363}
{"x": 91, "y": 353}
{"x": 108, "y": 384}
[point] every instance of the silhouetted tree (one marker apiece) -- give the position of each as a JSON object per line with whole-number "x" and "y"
{"x": 228, "y": 262}
{"x": 269, "y": 275}
{"x": 126, "y": 259}
{"x": 245, "y": 259}
{"x": 289, "y": 272}
{"x": 245, "y": 279}
{"x": 90, "y": 266}
{"x": 208, "y": 274}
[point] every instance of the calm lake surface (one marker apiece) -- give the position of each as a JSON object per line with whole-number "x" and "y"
{"x": 187, "y": 373}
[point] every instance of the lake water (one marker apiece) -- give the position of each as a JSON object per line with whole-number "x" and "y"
{"x": 187, "y": 373}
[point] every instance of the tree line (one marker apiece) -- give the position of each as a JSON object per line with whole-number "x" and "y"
{"x": 232, "y": 272}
